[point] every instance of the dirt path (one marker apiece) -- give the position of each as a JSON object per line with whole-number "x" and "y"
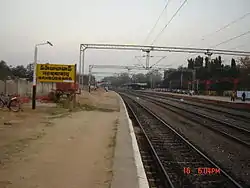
{"x": 74, "y": 151}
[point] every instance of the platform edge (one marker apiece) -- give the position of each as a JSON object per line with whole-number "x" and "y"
{"x": 142, "y": 178}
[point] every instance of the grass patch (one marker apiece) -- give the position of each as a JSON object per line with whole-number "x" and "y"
{"x": 48, "y": 123}
{"x": 64, "y": 114}
{"x": 88, "y": 107}
{"x": 106, "y": 110}
{"x": 57, "y": 112}
{"x": 110, "y": 156}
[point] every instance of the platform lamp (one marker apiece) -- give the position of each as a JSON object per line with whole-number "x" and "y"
{"x": 34, "y": 73}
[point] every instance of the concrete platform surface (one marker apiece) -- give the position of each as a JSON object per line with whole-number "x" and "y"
{"x": 128, "y": 170}
{"x": 217, "y": 98}
{"x": 92, "y": 147}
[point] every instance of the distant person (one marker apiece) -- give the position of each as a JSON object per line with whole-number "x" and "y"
{"x": 233, "y": 95}
{"x": 243, "y": 96}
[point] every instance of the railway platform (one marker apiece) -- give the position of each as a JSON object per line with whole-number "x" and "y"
{"x": 219, "y": 100}
{"x": 128, "y": 170}
{"x": 94, "y": 146}
{"x": 215, "y": 98}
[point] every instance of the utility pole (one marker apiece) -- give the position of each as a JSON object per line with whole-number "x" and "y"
{"x": 130, "y": 79}
{"x": 209, "y": 55}
{"x": 89, "y": 81}
{"x": 181, "y": 78}
{"x": 152, "y": 80}
{"x": 193, "y": 81}
{"x": 147, "y": 58}
{"x": 80, "y": 71}
{"x": 197, "y": 86}
{"x": 34, "y": 74}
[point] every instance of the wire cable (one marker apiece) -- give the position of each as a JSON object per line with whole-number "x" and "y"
{"x": 169, "y": 21}
{"x": 227, "y": 25}
{"x": 229, "y": 40}
{"x": 157, "y": 21}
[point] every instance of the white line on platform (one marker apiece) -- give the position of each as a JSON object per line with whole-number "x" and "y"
{"x": 142, "y": 178}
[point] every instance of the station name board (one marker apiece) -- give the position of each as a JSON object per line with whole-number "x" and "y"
{"x": 56, "y": 73}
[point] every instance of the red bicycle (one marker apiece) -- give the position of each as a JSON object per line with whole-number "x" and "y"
{"x": 11, "y": 102}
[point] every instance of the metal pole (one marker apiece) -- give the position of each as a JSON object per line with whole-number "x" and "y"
{"x": 80, "y": 68}
{"x": 197, "y": 86}
{"x": 209, "y": 55}
{"x": 89, "y": 77}
{"x": 181, "y": 78}
{"x": 147, "y": 59}
{"x": 34, "y": 81}
{"x": 193, "y": 82}
{"x": 83, "y": 54}
{"x": 152, "y": 80}
{"x": 74, "y": 102}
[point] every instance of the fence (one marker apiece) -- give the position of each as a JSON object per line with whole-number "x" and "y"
{"x": 23, "y": 87}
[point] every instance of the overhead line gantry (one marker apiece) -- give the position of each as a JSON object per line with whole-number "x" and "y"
{"x": 149, "y": 48}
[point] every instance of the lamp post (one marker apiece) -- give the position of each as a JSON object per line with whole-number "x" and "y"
{"x": 34, "y": 74}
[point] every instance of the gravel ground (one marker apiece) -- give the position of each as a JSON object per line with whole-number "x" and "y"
{"x": 238, "y": 105}
{"x": 228, "y": 154}
{"x": 71, "y": 151}
{"x": 217, "y": 115}
{"x": 203, "y": 105}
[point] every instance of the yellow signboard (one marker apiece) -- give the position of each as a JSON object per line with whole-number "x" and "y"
{"x": 56, "y": 73}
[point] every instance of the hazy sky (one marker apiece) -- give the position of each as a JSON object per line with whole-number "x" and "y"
{"x": 67, "y": 23}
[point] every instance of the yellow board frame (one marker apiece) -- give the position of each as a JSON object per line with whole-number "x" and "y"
{"x": 56, "y": 73}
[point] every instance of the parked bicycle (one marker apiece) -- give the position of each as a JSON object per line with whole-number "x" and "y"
{"x": 11, "y": 102}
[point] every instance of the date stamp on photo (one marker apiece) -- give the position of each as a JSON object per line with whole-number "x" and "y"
{"x": 201, "y": 170}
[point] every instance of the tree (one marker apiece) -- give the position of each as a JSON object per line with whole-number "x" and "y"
{"x": 29, "y": 72}
{"x": 190, "y": 63}
{"x": 233, "y": 63}
{"x": 19, "y": 71}
{"x": 198, "y": 62}
{"x": 245, "y": 62}
{"x": 139, "y": 78}
{"x": 116, "y": 81}
{"x": 206, "y": 62}
{"x": 244, "y": 72}
{"x": 4, "y": 70}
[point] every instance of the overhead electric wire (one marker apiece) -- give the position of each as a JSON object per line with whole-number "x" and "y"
{"x": 224, "y": 27}
{"x": 157, "y": 21}
{"x": 227, "y": 25}
{"x": 169, "y": 21}
{"x": 229, "y": 40}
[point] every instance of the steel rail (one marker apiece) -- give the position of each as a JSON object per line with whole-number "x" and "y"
{"x": 187, "y": 142}
{"x": 164, "y": 96}
{"x": 209, "y": 117}
{"x": 163, "y": 104}
{"x": 154, "y": 153}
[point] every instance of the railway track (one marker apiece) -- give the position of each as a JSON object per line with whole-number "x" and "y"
{"x": 238, "y": 115}
{"x": 231, "y": 131}
{"x": 152, "y": 165}
{"x": 181, "y": 163}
